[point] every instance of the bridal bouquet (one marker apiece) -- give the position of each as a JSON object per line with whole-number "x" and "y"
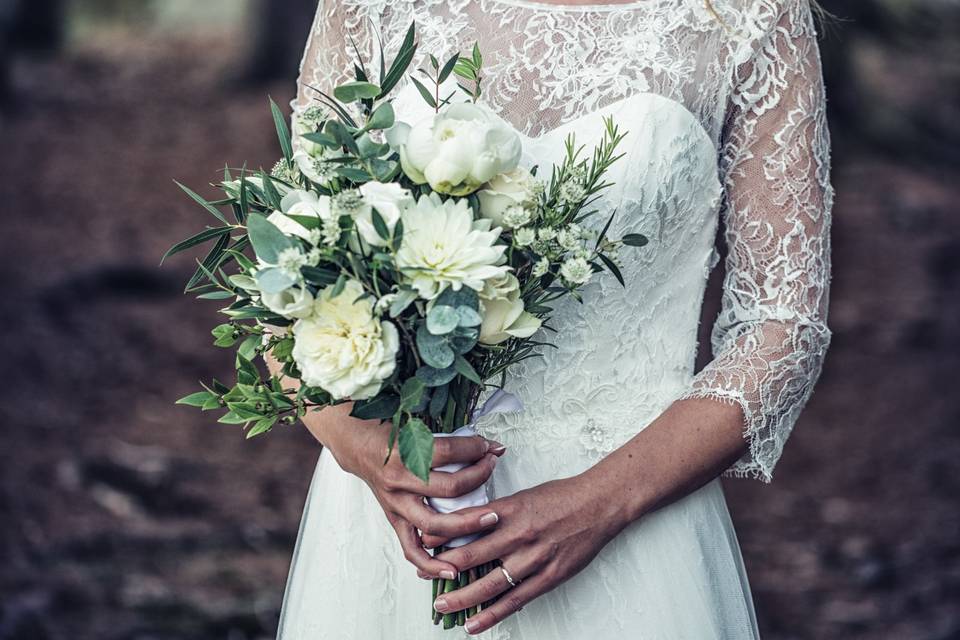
{"x": 400, "y": 266}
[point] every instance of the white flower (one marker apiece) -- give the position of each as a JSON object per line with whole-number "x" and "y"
{"x": 569, "y": 238}
{"x": 318, "y": 169}
{"x": 540, "y": 267}
{"x": 517, "y": 188}
{"x": 291, "y": 260}
{"x": 390, "y": 200}
{"x": 504, "y": 318}
{"x": 291, "y": 303}
{"x": 301, "y": 203}
{"x": 383, "y": 304}
{"x": 343, "y": 348}
{"x": 576, "y": 271}
{"x": 458, "y": 149}
{"x": 524, "y": 237}
{"x": 516, "y": 216}
{"x": 444, "y": 247}
{"x": 499, "y": 287}
{"x": 546, "y": 234}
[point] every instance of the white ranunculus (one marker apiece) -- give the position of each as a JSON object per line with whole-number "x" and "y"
{"x": 504, "y": 318}
{"x": 301, "y": 203}
{"x": 390, "y": 200}
{"x": 444, "y": 247}
{"x": 458, "y": 149}
{"x": 344, "y": 348}
{"x": 293, "y": 303}
{"x": 517, "y": 188}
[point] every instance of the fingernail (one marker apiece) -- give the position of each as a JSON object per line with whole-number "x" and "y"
{"x": 488, "y": 519}
{"x": 440, "y": 605}
{"x": 497, "y": 448}
{"x": 472, "y": 625}
{"x": 446, "y": 574}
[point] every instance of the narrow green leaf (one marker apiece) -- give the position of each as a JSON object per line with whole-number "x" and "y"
{"x": 283, "y": 131}
{"x": 380, "y": 225}
{"x": 196, "y": 197}
{"x": 200, "y": 238}
{"x": 448, "y": 67}
{"x": 424, "y": 92}
{"x": 612, "y": 268}
{"x": 635, "y": 240}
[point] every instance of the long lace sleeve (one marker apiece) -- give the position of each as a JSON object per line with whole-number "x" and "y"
{"x": 771, "y": 336}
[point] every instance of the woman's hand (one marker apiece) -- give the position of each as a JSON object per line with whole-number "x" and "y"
{"x": 360, "y": 447}
{"x": 545, "y": 535}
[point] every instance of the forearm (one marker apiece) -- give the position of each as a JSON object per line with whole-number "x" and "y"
{"x": 690, "y": 444}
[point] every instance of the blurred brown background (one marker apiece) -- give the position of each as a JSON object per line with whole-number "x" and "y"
{"x": 125, "y": 517}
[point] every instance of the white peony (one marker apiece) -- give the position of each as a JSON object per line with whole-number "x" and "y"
{"x": 458, "y": 149}
{"x": 517, "y": 188}
{"x": 444, "y": 247}
{"x": 505, "y": 318}
{"x": 292, "y": 303}
{"x": 301, "y": 203}
{"x": 390, "y": 200}
{"x": 343, "y": 348}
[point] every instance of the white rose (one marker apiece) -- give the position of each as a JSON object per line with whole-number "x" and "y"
{"x": 505, "y": 318}
{"x": 458, "y": 149}
{"x": 390, "y": 200}
{"x": 291, "y": 303}
{"x": 300, "y": 203}
{"x": 344, "y": 348}
{"x": 500, "y": 286}
{"x": 514, "y": 188}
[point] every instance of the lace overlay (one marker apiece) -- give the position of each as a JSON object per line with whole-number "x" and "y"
{"x": 726, "y": 120}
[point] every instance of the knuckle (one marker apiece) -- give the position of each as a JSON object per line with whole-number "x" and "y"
{"x": 513, "y": 603}
{"x": 465, "y": 558}
{"x": 526, "y": 533}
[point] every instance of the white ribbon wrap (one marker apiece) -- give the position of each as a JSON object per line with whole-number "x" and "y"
{"x": 499, "y": 402}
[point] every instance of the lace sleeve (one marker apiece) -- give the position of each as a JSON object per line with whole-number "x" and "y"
{"x": 771, "y": 336}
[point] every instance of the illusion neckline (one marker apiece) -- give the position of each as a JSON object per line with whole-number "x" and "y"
{"x": 542, "y": 5}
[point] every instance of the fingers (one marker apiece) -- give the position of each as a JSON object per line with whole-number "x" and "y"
{"x": 509, "y": 603}
{"x": 463, "y": 449}
{"x": 486, "y": 588}
{"x": 444, "y": 525}
{"x": 413, "y": 551}
{"x": 476, "y": 553}
{"x": 447, "y": 485}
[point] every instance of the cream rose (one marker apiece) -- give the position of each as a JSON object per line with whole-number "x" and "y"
{"x": 458, "y": 149}
{"x": 344, "y": 348}
{"x": 505, "y": 318}
{"x": 517, "y": 188}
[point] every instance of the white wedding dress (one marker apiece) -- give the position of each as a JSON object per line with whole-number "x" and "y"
{"x": 725, "y": 114}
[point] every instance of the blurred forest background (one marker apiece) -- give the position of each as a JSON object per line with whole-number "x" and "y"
{"x": 125, "y": 517}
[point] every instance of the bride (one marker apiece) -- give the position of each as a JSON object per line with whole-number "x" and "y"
{"x": 607, "y": 512}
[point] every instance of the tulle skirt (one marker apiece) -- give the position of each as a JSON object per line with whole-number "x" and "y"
{"x": 675, "y": 574}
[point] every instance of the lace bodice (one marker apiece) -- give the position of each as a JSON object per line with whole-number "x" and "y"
{"x": 725, "y": 109}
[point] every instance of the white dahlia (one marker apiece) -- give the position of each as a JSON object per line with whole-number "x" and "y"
{"x": 444, "y": 247}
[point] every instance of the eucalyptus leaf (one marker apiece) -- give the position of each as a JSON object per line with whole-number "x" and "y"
{"x": 465, "y": 369}
{"x": 433, "y": 377}
{"x": 434, "y": 349}
{"x": 464, "y": 297}
{"x": 442, "y": 319}
{"x": 468, "y": 317}
{"x": 402, "y": 301}
{"x": 273, "y": 280}
{"x": 383, "y": 117}
{"x": 267, "y": 240}
{"x": 354, "y": 91}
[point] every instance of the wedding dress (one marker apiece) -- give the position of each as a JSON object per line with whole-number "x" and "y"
{"x": 724, "y": 107}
